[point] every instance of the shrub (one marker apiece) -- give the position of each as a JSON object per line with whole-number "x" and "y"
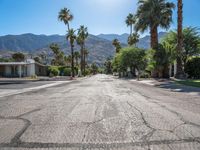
{"x": 67, "y": 72}
{"x": 192, "y": 68}
{"x": 61, "y": 70}
{"x": 53, "y": 71}
{"x": 87, "y": 72}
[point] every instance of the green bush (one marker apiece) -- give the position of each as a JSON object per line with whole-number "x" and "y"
{"x": 61, "y": 70}
{"x": 87, "y": 72}
{"x": 67, "y": 72}
{"x": 192, "y": 68}
{"x": 53, "y": 71}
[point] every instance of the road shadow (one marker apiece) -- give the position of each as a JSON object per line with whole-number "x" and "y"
{"x": 167, "y": 84}
{"x": 176, "y": 87}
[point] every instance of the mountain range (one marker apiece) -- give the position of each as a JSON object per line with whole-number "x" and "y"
{"x": 100, "y": 46}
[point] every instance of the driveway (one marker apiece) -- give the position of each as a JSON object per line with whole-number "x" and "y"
{"x": 100, "y": 112}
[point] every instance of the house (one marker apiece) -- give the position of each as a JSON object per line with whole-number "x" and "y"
{"x": 27, "y": 68}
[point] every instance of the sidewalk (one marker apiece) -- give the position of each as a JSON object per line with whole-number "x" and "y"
{"x": 153, "y": 82}
{"x": 170, "y": 85}
{"x": 10, "y": 87}
{"x": 9, "y": 92}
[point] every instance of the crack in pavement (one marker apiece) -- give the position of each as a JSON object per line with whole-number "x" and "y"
{"x": 88, "y": 125}
{"x": 146, "y": 137}
{"x": 16, "y": 139}
{"x": 149, "y": 99}
{"x": 96, "y": 145}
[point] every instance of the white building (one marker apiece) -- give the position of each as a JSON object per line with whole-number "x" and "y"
{"x": 22, "y": 69}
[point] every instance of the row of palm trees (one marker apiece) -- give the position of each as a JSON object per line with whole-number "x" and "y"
{"x": 154, "y": 14}
{"x": 66, "y": 17}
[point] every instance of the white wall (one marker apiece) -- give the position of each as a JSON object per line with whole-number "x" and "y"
{"x": 31, "y": 69}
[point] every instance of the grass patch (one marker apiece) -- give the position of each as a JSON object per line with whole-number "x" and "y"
{"x": 195, "y": 83}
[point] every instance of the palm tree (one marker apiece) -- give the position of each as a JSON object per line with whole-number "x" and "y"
{"x": 68, "y": 60}
{"x": 85, "y": 57}
{"x": 180, "y": 72}
{"x": 82, "y": 36}
{"x": 77, "y": 56}
{"x": 65, "y": 16}
{"x": 133, "y": 39}
{"x": 71, "y": 37}
{"x": 117, "y": 45}
{"x": 130, "y": 20}
{"x": 153, "y": 14}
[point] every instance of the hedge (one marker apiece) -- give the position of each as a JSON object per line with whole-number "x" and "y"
{"x": 192, "y": 68}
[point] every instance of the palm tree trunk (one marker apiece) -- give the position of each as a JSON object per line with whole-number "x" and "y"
{"x": 154, "y": 37}
{"x": 68, "y": 27}
{"x": 180, "y": 72}
{"x": 72, "y": 61}
{"x": 82, "y": 47}
{"x": 154, "y": 44}
{"x": 84, "y": 63}
{"x": 131, "y": 30}
{"x": 76, "y": 61}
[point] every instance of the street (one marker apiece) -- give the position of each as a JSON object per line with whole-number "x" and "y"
{"x": 100, "y": 112}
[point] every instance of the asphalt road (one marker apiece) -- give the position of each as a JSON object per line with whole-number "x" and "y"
{"x": 98, "y": 113}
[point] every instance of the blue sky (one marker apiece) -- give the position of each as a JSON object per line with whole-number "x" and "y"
{"x": 100, "y": 16}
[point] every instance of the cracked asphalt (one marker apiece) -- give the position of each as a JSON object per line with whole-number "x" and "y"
{"x": 100, "y": 112}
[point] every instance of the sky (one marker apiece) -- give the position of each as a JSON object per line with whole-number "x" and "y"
{"x": 100, "y": 16}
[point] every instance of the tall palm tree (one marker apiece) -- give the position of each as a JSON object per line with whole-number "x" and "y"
{"x": 117, "y": 45}
{"x": 65, "y": 16}
{"x": 130, "y": 21}
{"x": 85, "y": 56}
{"x": 71, "y": 37}
{"x": 180, "y": 72}
{"x": 77, "y": 56}
{"x": 153, "y": 14}
{"x": 82, "y": 36}
{"x": 133, "y": 39}
{"x": 68, "y": 60}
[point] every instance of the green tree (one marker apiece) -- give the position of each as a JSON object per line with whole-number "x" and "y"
{"x": 108, "y": 66}
{"x": 37, "y": 59}
{"x": 133, "y": 58}
{"x": 133, "y": 39}
{"x": 180, "y": 72}
{"x": 153, "y": 14}
{"x": 117, "y": 45}
{"x": 85, "y": 56}
{"x": 77, "y": 56}
{"x": 71, "y": 37}
{"x": 160, "y": 59}
{"x": 191, "y": 42}
{"x": 65, "y": 16}
{"x": 68, "y": 60}
{"x": 58, "y": 55}
{"x": 81, "y": 38}
{"x": 18, "y": 57}
{"x": 130, "y": 21}
{"x": 94, "y": 68}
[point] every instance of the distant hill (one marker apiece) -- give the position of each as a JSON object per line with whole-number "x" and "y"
{"x": 27, "y": 42}
{"x": 143, "y": 43}
{"x": 100, "y": 47}
{"x": 122, "y": 38}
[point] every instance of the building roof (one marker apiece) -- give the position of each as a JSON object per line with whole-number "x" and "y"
{"x": 13, "y": 63}
{"x": 27, "y": 62}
